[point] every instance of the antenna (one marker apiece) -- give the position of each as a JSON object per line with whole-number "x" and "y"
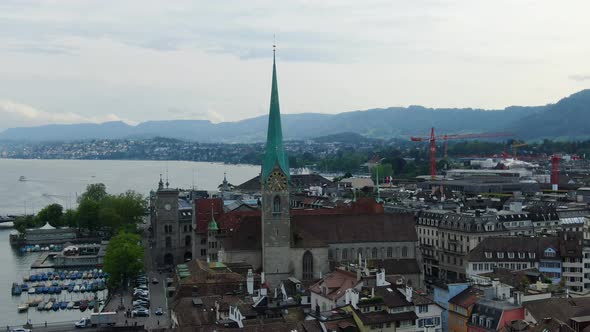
{"x": 167, "y": 183}
{"x": 274, "y": 42}
{"x": 193, "y": 179}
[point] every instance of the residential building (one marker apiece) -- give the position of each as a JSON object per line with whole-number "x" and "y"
{"x": 460, "y": 308}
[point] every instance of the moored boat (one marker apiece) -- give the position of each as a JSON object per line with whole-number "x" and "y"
{"x": 16, "y": 289}
{"x": 23, "y": 307}
{"x": 55, "y": 306}
{"x": 41, "y": 306}
{"x": 31, "y": 290}
{"x": 63, "y": 305}
{"x": 48, "y": 305}
{"x": 70, "y": 305}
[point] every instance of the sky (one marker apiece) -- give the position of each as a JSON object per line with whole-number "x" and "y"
{"x": 72, "y": 61}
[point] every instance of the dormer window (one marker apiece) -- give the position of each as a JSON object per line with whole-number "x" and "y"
{"x": 550, "y": 252}
{"x": 511, "y": 255}
{"x": 488, "y": 255}
{"x": 521, "y": 255}
{"x": 531, "y": 255}
{"x": 500, "y": 254}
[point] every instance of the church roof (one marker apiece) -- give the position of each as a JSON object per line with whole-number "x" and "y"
{"x": 313, "y": 231}
{"x": 274, "y": 154}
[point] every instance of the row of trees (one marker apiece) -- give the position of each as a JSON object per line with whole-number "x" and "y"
{"x": 97, "y": 211}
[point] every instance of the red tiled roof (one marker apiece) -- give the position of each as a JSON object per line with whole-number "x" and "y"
{"x": 337, "y": 282}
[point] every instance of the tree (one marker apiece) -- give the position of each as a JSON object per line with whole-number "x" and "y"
{"x": 123, "y": 259}
{"x": 52, "y": 214}
{"x": 95, "y": 192}
{"x": 70, "y": 218}
{"x": 22, "y": 223}
{"x": 88, "y": 215}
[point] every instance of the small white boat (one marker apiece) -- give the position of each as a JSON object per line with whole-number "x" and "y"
{"x": 49, "y": 305}
{"x": 76, "y": 289}
{"x": 22, "y": 178}
{"x": 41, "y": 306}
{"x": 82, "y": 289}
{"x": 23, "y": 307}
{"x": 70, "y": 304}
{"x": 31, "y": 290}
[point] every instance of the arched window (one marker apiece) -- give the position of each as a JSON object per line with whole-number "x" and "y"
{"x": 389, "y": 252}
{"x": 187, "y": 241}
{"x": 374, "y": 253}
{"x": 307, "y": 265}
{"x": 337, "y": 254}
{"x": 168, "y": 242}
{"x": 404, "y": 251}
{"x": 168, "y": 259}
{"x": 344, "y": 254}
{"x": 276, "y": 205}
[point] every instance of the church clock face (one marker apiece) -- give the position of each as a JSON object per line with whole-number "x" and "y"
{"x": 277, "y": 181}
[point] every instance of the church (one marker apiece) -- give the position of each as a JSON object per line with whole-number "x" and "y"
{"x": 283, "y": 242}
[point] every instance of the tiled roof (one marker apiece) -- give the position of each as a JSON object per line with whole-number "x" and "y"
{"x": 399, "y": 266}
{"x": 380, "y": 317}
{"x": 558, "y": 308}
{"x": 516, "y": 245}
{"x": 391, "y": 296}
{"x": 467, "y": 297}
{"x": 336, "y": 283}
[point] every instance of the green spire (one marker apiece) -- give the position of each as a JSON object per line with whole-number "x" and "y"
{"x": 213, "y": 223}
{"x": 274, "y": 154}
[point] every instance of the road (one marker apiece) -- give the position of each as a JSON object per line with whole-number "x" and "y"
{"x": 58, "y": 327}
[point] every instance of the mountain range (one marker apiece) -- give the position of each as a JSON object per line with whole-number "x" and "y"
{"x": 566, "y": 119}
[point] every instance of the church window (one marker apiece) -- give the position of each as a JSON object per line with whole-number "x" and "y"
{"x": 168, "y": 242}
{"x": 374, "y": 253}
{"x": 307, "y": 265}
{"x": 344, "y": 254}
{"x": 389, "y": 252}
{"x": 404, "y": 251}
{"x": 187, "y": 241}
{"x": 276, "y": 205}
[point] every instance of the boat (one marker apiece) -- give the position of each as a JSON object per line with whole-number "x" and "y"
{"x": 16, "y": 290}
{"x": 48, "y": 305}
{"x": 24, "y": 287}
{"x": 26, "y": 278}
{"x": 83, "y": 305}
{"x": 22, "y": 178}
{"x": 39, "y": 290}
{"x": 31, "y": 290}
{"x": 91, "y": 305}
{"x": 70, "y": 305}
{"x": 41, "y": 306}
{"x": 83, "y": 289}
{"x": 76, "y": 305}
{"x": 57, "y": 290}
{"x": 23, "y": 307}
{"x": 51, "y": 290}
{"x": 76, "y": 289}
{"x": 63, "y": 305}
{"x": 55, "y": 306}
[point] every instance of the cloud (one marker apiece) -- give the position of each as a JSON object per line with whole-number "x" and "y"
{"x": 16, "y": 114}
{"x": 579, "y": 78}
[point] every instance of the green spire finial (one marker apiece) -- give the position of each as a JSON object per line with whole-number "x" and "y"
{"x": 274, "y": 154}
{"x": 213, "y": 223}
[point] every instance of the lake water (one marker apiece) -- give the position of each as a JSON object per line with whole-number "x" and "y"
{"x": 59, "y": 181}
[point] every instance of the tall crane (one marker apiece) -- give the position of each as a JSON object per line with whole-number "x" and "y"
{"x": 516, "y": 145}
{"x": 432, "y": 139}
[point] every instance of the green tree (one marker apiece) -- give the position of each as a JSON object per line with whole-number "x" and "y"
{"x": 22, "y": 223}
{"x": 88, "y": 215}
{"x": 123, "y": 259}
{"x": 95, "y": 192}
{"x": 70, "y": 218}
{"x": 52, "y": 214}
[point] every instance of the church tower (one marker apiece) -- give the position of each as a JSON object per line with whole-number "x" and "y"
{"x": 275, "y": 178}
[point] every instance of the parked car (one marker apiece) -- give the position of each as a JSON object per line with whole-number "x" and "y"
{"x": 84, "y": 322}
{"x": 20, "y": 329}
{"x": 142, "y": 303}
{"x": 155, "y": 281}
{"x": 159, "y": 311}
{"x": 140, "y": 313}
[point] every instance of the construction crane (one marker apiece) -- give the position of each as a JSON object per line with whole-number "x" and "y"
{"x": 516, "y": 145}
{"x": 432, "y": 139}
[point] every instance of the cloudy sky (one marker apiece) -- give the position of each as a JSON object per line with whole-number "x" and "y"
{"x": 69, "y": 61}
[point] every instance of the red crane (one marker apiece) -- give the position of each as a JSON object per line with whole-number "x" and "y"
{"x": 432, "y": 139}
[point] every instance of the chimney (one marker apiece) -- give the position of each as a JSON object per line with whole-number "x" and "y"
{"x": 250, "y": 282}
{"x": 347, "y": 296}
